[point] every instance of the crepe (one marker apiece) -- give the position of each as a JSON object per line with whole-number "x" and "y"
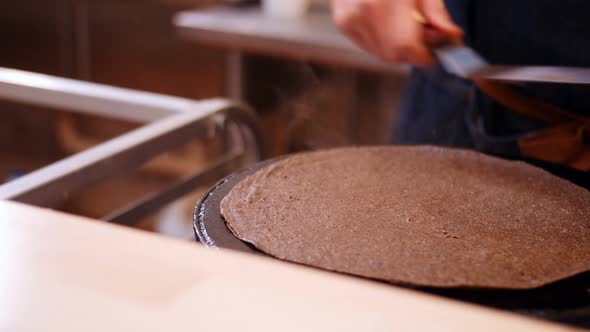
{"x": 422, "y": 216}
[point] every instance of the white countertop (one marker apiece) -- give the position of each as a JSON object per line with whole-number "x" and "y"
{"x": 65, "y": 273}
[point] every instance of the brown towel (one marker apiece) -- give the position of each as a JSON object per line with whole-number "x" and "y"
{"x": 566, "y": 142}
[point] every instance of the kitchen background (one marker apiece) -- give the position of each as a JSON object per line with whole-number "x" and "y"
{"x": 133, "y": 44}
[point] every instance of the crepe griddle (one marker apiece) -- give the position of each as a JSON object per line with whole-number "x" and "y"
{"x": 210, "y": 227}
{"x": 566, "y": 301}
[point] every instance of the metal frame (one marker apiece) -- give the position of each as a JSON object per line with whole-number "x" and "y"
{"x": 170, "y": 122}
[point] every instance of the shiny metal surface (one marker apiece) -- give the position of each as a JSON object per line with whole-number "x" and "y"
{"x": 465, "y": 62}
{"x": 146, "y": 207}
{"x": 171, "y": 122}
{"x": 84, "y": 97}
{"x": 563, "y": 75}
{"x": 313, "y": 38}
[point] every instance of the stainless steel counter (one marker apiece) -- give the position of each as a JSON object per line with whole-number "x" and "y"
{"x": 313, "y": 38}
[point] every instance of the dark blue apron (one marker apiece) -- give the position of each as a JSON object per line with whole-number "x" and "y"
{"x": 444, "y": 110}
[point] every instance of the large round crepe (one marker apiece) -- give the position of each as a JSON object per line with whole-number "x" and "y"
{"x": 422, "y": 216}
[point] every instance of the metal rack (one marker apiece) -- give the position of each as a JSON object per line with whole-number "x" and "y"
{"x": 169, "y": 122}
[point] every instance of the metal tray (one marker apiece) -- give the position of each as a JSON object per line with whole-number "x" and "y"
{"x": 567, "y": 301}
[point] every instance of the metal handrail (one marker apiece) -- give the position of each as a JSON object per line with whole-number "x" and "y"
{"x": 91, "y": 98}
{"x": 170, "y": 122}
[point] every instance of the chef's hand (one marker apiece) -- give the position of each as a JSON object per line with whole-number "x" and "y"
{"x": 391, "y": 29}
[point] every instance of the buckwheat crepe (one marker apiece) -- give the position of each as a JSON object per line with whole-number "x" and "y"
{"x": 422, "y": 216}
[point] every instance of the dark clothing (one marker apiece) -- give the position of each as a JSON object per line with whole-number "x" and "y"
{"x": 445, "y": 110}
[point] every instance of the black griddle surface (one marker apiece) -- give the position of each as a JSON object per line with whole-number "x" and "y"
{"x": 567, "y": 301}
{"x": 210, "y": 227}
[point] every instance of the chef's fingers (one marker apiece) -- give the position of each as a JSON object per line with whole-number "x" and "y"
{"x": 385, "y": 28}
{"x": 356, "y": 22}
{"x": 436, "y": 15}
{"x": 435, "y": 38}
{"x": 403, "y": 35}
{"x": 365, "y": 39}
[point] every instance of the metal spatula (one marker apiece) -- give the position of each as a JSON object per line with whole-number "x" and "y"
{"x": 467, "y": 63}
